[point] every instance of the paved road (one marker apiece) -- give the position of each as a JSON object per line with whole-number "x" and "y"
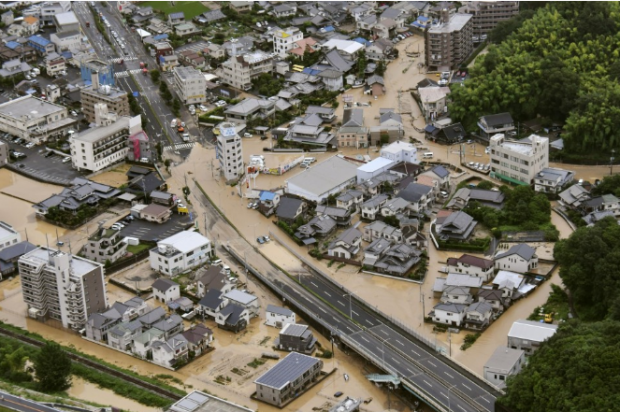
{"x": 359, "y": 328}
{"x": 23, "y": 405}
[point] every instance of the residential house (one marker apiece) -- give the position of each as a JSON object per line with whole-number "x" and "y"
{"x": 248, "y": 109}
{"x": 152, "y": 317}
{"x": 176, "y": 18}
{"x": 403, "y": 153}
{"x": 372, "y": 207}
{"x": 199, "y": 338}
{"x": 295, "y": 337}
{"x": 446, "y": 134}
{"x": 398, "y": 260}
{"x": 181, "y": 305}
{"x": 504, "y": 362}
{"x": 162, "y": 198}
{"x": 180, "y": 252}
{"x": 269, "y": 202}
{"x": 239, "y": 71}
{"x": 166, "y": 290}
{"x": 212, "y": 303}
{"x": 319, "y": 226}
{"x": 11, "y": 254}
{"x": 308, "y": 130}
{"x": 346, "y": 245}
{"x": 351, "y": 199}
{"x": 213, "y": 16}
{"x": 381, "y": 230}
{"x": 353, "y": 133}
{"x": 380, "y": 49}
{"x": 375, "y": 85}
{"x": 518, "y": 162}
{"x": 170, "y": 352}
{"x": 472, "y": 282}
{"x": 288, "y": 379}
{"x": 328, "y": 114}
{"x": 434, "y": 101}
{"x": 374, "y": 251}
{"x": 448, "y": 313}
{"x": 496, "y": 123}
{"x": 413, "y": 237}
{"x": 290, "y": 209}
{"x": 186, "y": 29}
{"x": 488, "y": 198}
{"x": 508, "y": 283}
{"x": 243, "y": 299}
{"x": 332, "y": 79}
{"x": 303, "y": 46}
{"x": 233, "y": 317}
{"x": 80, "y": 193}
{"x": 395, "y": 207}
{"x": 574, "y": 196}
{"x": 284, "y": 10}
{"x": 155, "y": 213}
{"x": 105, "y": 246}
{"x": 30, "y": 25}
{"x": 121, "y": 336}
{"x": 528, "y": 335}
{"x": 478, "y": 316}
{"x": 347, "y": 48}
{"x": 342, "y": 216}
{"x": 441, "y": 174}
{"x": 457, "y": 226}
{"x": 170, "y": 326}
{"x": 419, "y": 196}
{"x": 141, "y": 344}
{"x": 8, "y": 235}
{"x": 456, "y": 294}
{"x": 472, "y": 266}
{"x": 279, "y": 317}
{"x": 592, "y": 218}
{"x": 284, "y": 40}
{"x": 41, "y": 45}
{"x": 430, "y": 181}
{"x": 605, "y": 203}
{"x": 494, "y": 298}
{"x": 520, "y": 258}
{"x": 241, "y": 6}
{"x": 552, "y": 180}
{"x": 373, "y": 169}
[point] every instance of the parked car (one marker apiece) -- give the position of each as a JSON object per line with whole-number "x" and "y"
{"x": 247, "y": 134}
{"x": 221, "y": 103}
{"x": 30, "y": 145}
{"x": 260, "y": 240}
{"x": 338, "y": 394}
{"x": 203, "y": 108}
{"x": 66, "y": 159}
{"x": 73, "y": 113}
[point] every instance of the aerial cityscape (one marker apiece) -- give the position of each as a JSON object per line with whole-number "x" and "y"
{"x": 328, "y": 206}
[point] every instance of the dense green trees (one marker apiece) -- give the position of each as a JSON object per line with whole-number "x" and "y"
{"x": 559, "y": 63}
{"x": 53, "y": 368}
{"x": 578, "y": 369}
{"x": 590, "y": 269}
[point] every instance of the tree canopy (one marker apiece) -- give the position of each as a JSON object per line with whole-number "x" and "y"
{"x": 590, "y": 268}
{"x": 559, "y": 63}
{"x": 53, "y": 368}
{"x": 577, "y": 369}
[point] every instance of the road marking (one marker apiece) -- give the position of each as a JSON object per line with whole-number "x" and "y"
{"x": 452, "y": 377}
{"x": 385, "y": 332}
{"x": 327, "y": 293}
{"x": 399, "y": 342}
{"x": 352, "y": 330}
{"x": 365, "y": 339}
{"x": 322, "y": 310}
{"x": 484, "y": 399}
{"x": 410, "y": 371}
{"x": 415, "y": 352}
{"x": 335, "y": 319}
{"x": 468, "y": 388}
{"x": 369, "y": 322}
{"x": 314, "y": 284}
{"x": 432, "y": 363}
{"x": 341, "y": 303}
{"x": 443, "y": 394}
{"x": 398, "y": 362}
{"x": 427, "y": 383}
{"x": 461, "y": 408}
{"x": 355, "y": 312}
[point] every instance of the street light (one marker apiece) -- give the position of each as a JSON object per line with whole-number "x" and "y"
{"x": 350, "y": 303}
{"x": 449, "y": 389}
{"x": 611, "y": 162}
{"x": 383, "y": 350}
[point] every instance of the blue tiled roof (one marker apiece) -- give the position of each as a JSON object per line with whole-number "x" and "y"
{"x": 178, "y": 15}
{"x": 160, "y": 37}
{"x": 311, "y": 72}
{"x": 41, "y": 41}
{"x": 67, "y": 55}
{"x": 265, "y": 195}
{"x": 361, "y": 40}
{"x": 12, "y": 45}
{"x": 328, "y": 29}
{"x": 422, "y": 18}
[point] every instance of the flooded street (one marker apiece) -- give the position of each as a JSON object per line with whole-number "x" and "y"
{"x": 87, "y": 391}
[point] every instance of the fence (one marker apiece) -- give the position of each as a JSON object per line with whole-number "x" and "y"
{"x": 122, "y": 264}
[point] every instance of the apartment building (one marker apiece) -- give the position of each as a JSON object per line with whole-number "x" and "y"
{"x": 180, "y": 252}
{"x": 284, "y": 40}
{"x": 105, "y": 245}
{"x": 449, "y": 42}
{"x": 238, "y": 71}
{"x": 518, "y": 161}
{"x": 60, "y": 286}
{"x": 229, "y": 152}
{"x": 116, "y": 99}
{"x": 34, "y": 119}
{"x": 488, "y": 14}
{"x": 105, "y": 144}
{"x": 191, "y": 85}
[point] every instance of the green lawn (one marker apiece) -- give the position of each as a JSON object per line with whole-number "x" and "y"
{"x": 190, "y": 8}
{"x": 136, "y": 249}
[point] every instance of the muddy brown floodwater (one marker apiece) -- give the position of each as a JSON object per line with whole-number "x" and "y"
{"x": 87, "y": 391}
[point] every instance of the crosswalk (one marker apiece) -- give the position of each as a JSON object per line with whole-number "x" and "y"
{"x": 127, "y": 72}
{"x": 117, "y": 60}
{"x": 179, "y": 146}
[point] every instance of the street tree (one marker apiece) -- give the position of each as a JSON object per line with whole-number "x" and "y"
{"x": 53, "y": 368}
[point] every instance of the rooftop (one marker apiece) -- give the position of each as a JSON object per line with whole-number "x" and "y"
{"x": 29, "y": 106}
{"x": 287, "y": 370}
{"x": 185, "y": 241}
{"x": 201, "y": 402}
{"x": 293, "y": 329}
{"x": 94, "y": 134}
{"x": 79, "y": 266}
{"x": 504, "y": 358}
{"x": 530, "y": 330}
{"x": 456, "y": 23}
{"x": 325, "y": 176}
{"x": 241, "y": 297}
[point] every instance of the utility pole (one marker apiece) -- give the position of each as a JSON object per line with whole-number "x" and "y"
{"x": 611, "y": 162}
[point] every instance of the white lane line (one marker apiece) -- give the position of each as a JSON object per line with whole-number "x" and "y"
{"x": 314, "y": 284}
{"x": 461, "y": 408}
{"x": 410, "y": 371}
{"x": 486, "y": 400}
{"x": 444, "y": 395}
{"x": 341, "y": 303}
{"x": 432, "y": 363}
{"x": 399, "y": 342}
{"x": 335, "y": 319}
{"x": 350, "y": 329}
{"x": 415, "y": 352}
{"x": 365, "y": 339}
{"x": 384, "y": 332}
{"x": 369, "y": 322}
{"x": 398, "y": 362}
{"x": 427, "y": 383}
{"x": 468, "y": 388}
{"x": 328, "y": 294}
{"x": 355, "y": 312}
{"x": 449, "y": 375}
{"x": 322, "y": 310}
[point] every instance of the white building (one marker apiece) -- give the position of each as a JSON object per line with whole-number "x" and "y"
{"x": 166, "y": 290}
{"x": 346, "y": 47}
{"x": 105, "y": 144}
{"x": 61, "y": 286}
{"x": 66, "y": 21}
{"x": 8, "y": 236}
{"x": 503, "y": 363}
{"x": 552, "y": 180}
{"x": 520, "y": 258}
{"x": 230, "y": 152}
{"x": 451, "y": 314}
{"x": 34, "y": 119}
{"x": 400, "y": 152}
{"x": 318, "y": 182}
{"x": 239, "y": 71}
{"x": 518, "y": 161}
{"x": 528, "y": 335}
{"x": 278, "y": 317}
{"x": 472, "y": 266}
{"x": 243, "y": 299}
{"x": 373, "y": 168}
{"x": 180, "y": 252}
{"x": 284, "y": 40}
{"x": 191, "y": 85}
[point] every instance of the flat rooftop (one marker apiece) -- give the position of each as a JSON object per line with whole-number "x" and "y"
{"x": 79, "y": 265}
{"x": 325, "y": 176}
{"x": 201, "y": 402}
{"x": 456, "y": 23}
{"x": 94, "y": 134}
{"x": 29, "y": 106}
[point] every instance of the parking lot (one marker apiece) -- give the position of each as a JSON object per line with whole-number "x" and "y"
{"x": 151, "y": 231}
{"x": 50, "y": 169}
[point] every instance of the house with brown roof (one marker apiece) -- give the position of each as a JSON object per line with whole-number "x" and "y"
{"x": 199, "y": 338}
{"x": 155, "y": 213}
{"x": 472, "y": 266}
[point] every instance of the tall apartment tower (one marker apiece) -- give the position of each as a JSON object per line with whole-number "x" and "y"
{"x": 488, "y": 13}
{"x": 57, "y": 285}
{"x": 229, "y": 152}
{"x": 449, "y": 42}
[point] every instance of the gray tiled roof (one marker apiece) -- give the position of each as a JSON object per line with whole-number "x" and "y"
{"x": 164, "y": 284}
{"x": 353, "y": 118}
{"x": 232, "y": 313}
{"x": 279, "y": 310}
{"x": 212, "y": 299}
{"x": 294, "y": 329}
{"x": 414, "y": 192}
{"x": 287, "y": 370}
{"x": 523, "y": 250}
{"x": 288, "y": 206}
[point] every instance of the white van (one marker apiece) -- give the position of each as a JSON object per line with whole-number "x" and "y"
{"x": 427, "y": 155}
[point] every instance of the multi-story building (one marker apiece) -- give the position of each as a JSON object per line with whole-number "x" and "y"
{"x": 527, "y": 335}
{"x": 8, "y": 235}
{"x": 105, "y": 144}
{"x": 105, "y": 245}
{"x": 50, "y": 9}
{"x": 284, "y": 40}
{"x": 116, "y": 99}
{"x": 488, "y": 14}
{"x": 191, "y": 85}
{"x": 54, "y": 64}
{"x": 229, "y": 152}
{"x": 66, "y": 21}
{"x": 518, "y": 161}
{"x": 180, "y": 252}
{"x": 448, "y": 43}
{"x": 553, "y": 180}
{"x": 60, "y": 286}
{"x": 239, "y": 71}
{"x": 34, "y": 119}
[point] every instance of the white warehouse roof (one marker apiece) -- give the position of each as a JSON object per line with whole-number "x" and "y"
{"x": 185, "y": 241}
{"x": 533, "y": 331}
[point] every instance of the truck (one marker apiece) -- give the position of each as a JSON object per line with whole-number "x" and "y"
{"x": 142, "y": 65}
{"x": 87, "y": 24}
{"x": 145, "y": 71}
